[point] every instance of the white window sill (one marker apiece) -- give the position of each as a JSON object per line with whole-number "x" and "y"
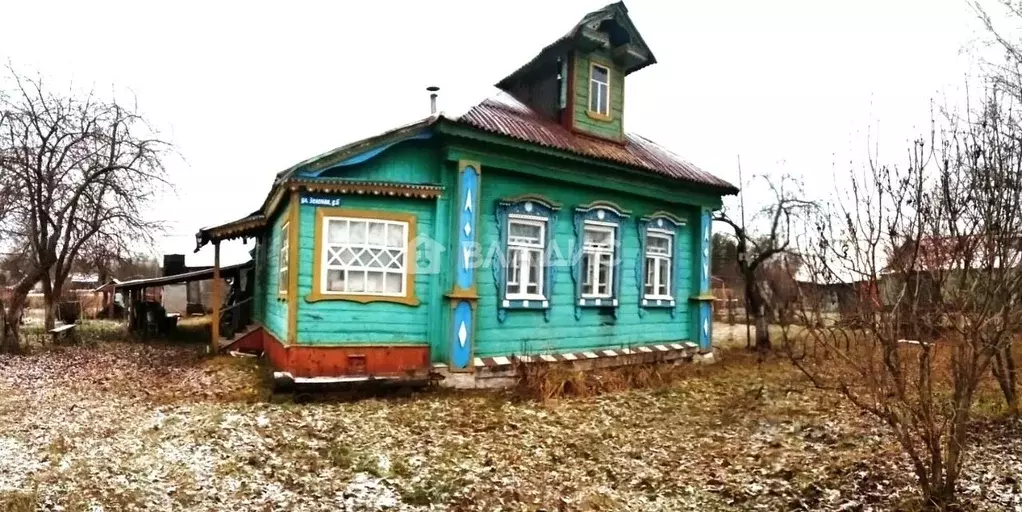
{"x": 368, "y": 294}
{"x": 657, "y": 301}
{"x": 525, "y": 297}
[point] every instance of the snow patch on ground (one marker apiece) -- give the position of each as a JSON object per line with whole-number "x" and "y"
{"x": 18, "y": 463}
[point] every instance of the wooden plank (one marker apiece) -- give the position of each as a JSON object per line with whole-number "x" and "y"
{"x": 216, "y": 299}
{"x": 294, "y": 232}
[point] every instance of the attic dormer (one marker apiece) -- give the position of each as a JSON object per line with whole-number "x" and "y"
{"x": 579, "y": 80}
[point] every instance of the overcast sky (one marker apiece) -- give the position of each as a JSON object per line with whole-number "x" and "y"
{"x": 246, "y": 89}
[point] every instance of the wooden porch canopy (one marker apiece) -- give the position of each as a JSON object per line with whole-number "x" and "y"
{"x": 187, "y": 277}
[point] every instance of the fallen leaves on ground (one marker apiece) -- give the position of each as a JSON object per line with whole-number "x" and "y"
{"x": 136, "y": 427}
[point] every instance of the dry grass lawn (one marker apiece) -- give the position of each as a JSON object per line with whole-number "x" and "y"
{"x": 127, "y": 426}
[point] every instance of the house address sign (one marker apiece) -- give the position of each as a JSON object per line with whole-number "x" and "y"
{"x": 318, "y": 200}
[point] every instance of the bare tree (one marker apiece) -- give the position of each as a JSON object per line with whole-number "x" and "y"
{"x": 83, "y": 169}
{"x": 755, "y": 250}
{"x": 936, "y": 316}
{"x": 1006, "y": 76}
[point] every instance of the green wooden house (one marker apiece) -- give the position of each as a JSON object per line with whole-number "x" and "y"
{"x": 533, "y": 228}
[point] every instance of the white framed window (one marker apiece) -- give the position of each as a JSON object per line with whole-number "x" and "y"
{"x": 599, "y": 89}
{"x": 362, "y": 256}
{"x": 526, "y": 248}
{"x": 598, "y": 260}
{"x": 659, "y": 264}
{"x": 284, "y": 258}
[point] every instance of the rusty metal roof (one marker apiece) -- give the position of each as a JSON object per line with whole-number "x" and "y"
{"x": 504, "y": 115}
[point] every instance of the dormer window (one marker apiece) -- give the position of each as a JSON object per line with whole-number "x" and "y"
{"x": 599, "y": 90}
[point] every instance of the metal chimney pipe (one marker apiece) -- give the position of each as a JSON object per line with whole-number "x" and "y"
{"x": 432, "y": 99}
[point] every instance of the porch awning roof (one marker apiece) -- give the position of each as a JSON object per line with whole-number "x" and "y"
{"x": 187, "y": 277}
{"x": 252, "y": 224}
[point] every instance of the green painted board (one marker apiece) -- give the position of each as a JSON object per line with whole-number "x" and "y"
{"x": 274, "y": 309}
{"x": 527, "y": 331}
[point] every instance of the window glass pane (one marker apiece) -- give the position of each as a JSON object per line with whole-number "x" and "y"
{"x": 599, "y": 239}
{"x": 358, "y": 232}
{"x": 356, "y": 281}
{"x": 282, "y": 282}
{"x": 386, "y": 259}
{"x": 600, "y": 74}
{"x": 377, "y": 233}
{"x": 392, "y": 283}
{"x": 535, "y": 271}
{"x": 650, "y": 270}
{"x": 604, "y": 275}
{"x": 374, "y": 282}
{"x": 514, "y": 267}
{"x": 524, "y": 233}
{"x": 396, "y": 235}
{"x": 665, "y": 276}
{"x": 337, "y": 232}
{"x": 335, "y": 280}
{"x": 594, "y": 96}
{"x": 587, "y": 272}
{"x": 345, "y": 256}
{"x": 656, "y": 244}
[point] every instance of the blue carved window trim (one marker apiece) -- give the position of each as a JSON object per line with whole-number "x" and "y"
{"x": 662, "y": 221}
{"x": 600, "y": 213}
{"x": 534, "y": 207}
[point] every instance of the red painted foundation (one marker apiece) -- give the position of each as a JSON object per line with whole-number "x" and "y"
{"x": 312, "y": 361}
{"x": 251, "y": 342}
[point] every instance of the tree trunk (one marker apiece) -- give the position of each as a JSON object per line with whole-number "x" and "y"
{"x": 756, "y": 304}
{"x": 10, "y": 338}
{"x": 762, "y": 333}
{"x": 939, "y": 499}
{"x": 1004, "y": 371}
{"x": 50, "y": 304}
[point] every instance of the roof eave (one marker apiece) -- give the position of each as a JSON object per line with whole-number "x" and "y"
{"x": 243, "y": 228}
{"x": 724, "y": 190}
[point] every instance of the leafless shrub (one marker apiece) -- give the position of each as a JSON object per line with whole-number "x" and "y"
{"x": 932, "y": 251}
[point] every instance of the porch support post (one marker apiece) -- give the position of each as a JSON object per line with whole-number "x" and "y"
{"x": 216, "y": 299}
{"x": 464, "y": 295}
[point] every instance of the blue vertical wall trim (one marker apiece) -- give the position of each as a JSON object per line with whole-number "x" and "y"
{"x": 461, "y": 342}
{"x": 606, "y": 213}
{"x": 705, "y": 307}
{"x": 464, "y": 290}
{"x": 704, "y": 272}
{"x": 705, "y": 311}
{"x": 467, "y": 227}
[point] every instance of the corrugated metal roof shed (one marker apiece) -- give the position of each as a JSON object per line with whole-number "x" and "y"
{"x": 504, "y": 115}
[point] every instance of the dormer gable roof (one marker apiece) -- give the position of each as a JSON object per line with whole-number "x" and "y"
{"x": 609, "y": 28}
